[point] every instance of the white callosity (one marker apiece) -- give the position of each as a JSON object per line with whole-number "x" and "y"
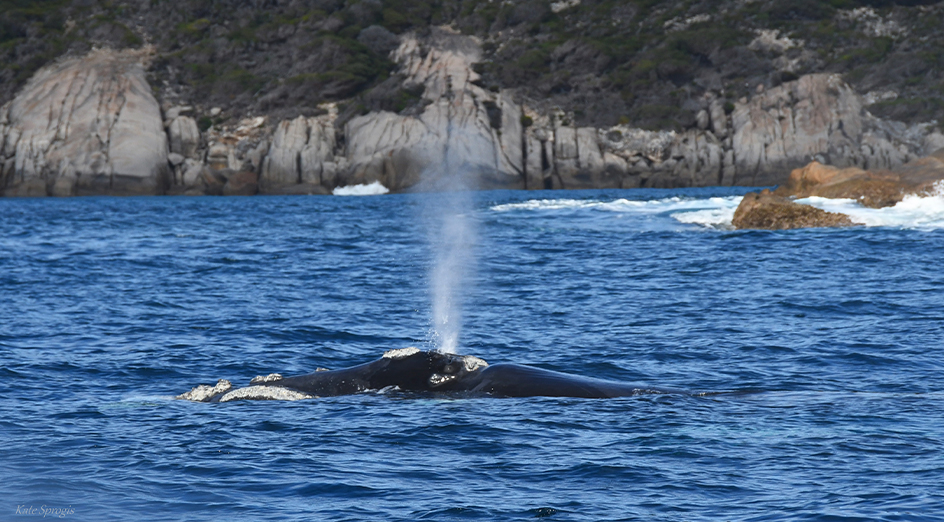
{"x": 85, "y": 126}
{"x": 257, "y": 393}
{"x": 272, "y": 377}
{"x": 204, "y": 393}
{"x": 401, "y": 353}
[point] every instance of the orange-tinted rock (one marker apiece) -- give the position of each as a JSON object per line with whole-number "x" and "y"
{"x": 769, "y": 211}
{"x": 241, "y": 183}
{"x": 924, "y": 172}
{"x": 874, "y": 189}
{"x": 214, "y": 181}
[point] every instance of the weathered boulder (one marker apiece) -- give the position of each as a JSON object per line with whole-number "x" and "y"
{"x": 241, "y": 183}
{"x": 379, "y": 143}
{"x": 816, "y": 115}
{"x": 212, "y": 181}
{"x": 766, "y": 210}
{"x": 871, "y": 189}
{"x": 220, "y": 156}
{"x": 85, "y": 125}
{"x": 875, "y": 189}
{"x": 184, "y": 136}
{"x": 933, "y": 142}
{"x": 301, "y": 158}
{"x": 464, "y": 134}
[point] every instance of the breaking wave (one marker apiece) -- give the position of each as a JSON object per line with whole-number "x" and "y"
{"x": 920, "y": 212}
{"x": 714, "y": 212}
{"x": 912, "y": 212}
{"x": 372, "y": 189}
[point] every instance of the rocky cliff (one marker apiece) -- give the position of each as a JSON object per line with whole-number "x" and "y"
{"x": 93, "y": 126}
{"x": 84, "y": 126}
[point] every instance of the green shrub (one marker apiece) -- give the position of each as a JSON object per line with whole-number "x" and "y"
{"x": 876, "y": 51}
{"x": 193, "y": 28}
{"x": 534, "y": 61}
{"x": 656, "y": 117}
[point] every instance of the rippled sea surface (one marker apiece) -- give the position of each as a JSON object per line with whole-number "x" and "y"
{"x": 828, "y": 346}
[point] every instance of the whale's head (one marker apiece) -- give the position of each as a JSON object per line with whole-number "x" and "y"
{"x": 451, "y": 369}
{"x": 412, "y": 369}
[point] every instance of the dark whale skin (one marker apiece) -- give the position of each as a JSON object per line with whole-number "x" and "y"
{"x": 409, "y": 373}
{"x": 518, "y": 380}
{"x": 411, "y": 370}
{"x": 500, "y": 380}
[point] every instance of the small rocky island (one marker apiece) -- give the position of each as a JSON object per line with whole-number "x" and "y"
{"x": 778, "y": 210}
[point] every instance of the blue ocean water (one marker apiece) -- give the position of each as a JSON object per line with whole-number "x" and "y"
{"x": 826, "y": 345}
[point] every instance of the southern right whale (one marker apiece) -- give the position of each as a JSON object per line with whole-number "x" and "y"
{"x": 413, "y": 370}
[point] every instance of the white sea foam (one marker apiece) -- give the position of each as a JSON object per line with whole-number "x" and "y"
{"x": 712, "y": 218}
{"x": 372, "y": 189}
{"x": 925, "y": 212}
{"x": 708, "y": 212}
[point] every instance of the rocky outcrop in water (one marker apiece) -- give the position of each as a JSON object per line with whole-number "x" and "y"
{"x": 84, "y": 126}
{"x": 870, "y": 188}
{"x": 91, "y": 126}
{"x": 769, "y": 211}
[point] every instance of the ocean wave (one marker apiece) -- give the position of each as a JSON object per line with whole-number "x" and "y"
{"x": 372, "y": 189}
{"x": 920, "y": 212}
{"x": 719, "y": 217}
{"x": 923, "y": 212}
{"x": 715, "y": 212}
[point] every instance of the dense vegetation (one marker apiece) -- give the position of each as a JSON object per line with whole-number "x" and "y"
{"x": 647, "y": 62}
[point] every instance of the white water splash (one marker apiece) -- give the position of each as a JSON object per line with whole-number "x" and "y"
{"x": 919, "y": 212}
{"x": 716, "y": 212}
{"x": 922, "y": 212}
{"x": 372, "y": 189}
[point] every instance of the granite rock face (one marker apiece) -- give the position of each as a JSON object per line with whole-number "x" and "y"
{"x": 462, "y": 130}
{"x": 815, "y": 117}
{"x": 184, "y": 137}
{"x": 91, "y": 126}
{"x": 85, "y": 126}
{"x": 219, "y": 161}
{"x": 301, "y": 158}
